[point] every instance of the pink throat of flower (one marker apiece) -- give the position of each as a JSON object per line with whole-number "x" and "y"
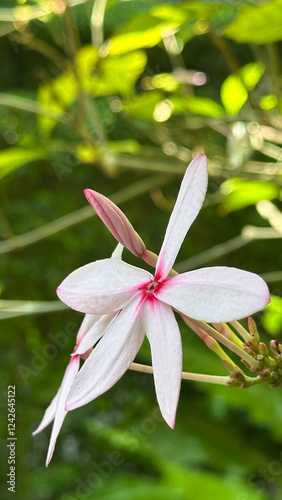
{"x": 149, "y": 289}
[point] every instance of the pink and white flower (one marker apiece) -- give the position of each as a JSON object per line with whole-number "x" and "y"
{"x": 146, "y": 302}
{"x": 91, "y": 330}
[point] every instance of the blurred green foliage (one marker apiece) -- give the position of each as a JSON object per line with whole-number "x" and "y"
{"x": 120, "y": 100}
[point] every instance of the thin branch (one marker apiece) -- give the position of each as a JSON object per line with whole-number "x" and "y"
{"x": 80, "y": 215}
{"x": 196, "y": 377}
{"x": 97, "y": 22}
{"x": 249, "y": 233}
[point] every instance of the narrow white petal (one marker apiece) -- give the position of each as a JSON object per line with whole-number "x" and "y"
{"x": 102, "y": 287}
{"x": 88, "y": 321}
{"x": 188, "y": 204}
{"x": 117, "y": 253}
{"x": 111, "y": 357}
{"x": 163, "y": 333}
{"x": 70, "y": 373}
{"x": 94, "y": 333}
{"x": 48, "y": 416}
{"x": 215, "y": 294}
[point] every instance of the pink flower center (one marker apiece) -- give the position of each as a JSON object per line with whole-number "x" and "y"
{"x": 152, "y": 286}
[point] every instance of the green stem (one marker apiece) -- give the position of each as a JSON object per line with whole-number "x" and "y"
{"x": 197, "y": 377}
{"x": 97, "y": 22}
{"x": 253, "y": 363}
{"x": 241, "y": 330}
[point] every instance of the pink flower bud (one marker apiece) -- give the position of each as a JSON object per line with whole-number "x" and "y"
{"x": 116, "y": 222}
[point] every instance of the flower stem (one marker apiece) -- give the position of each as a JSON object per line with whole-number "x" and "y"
{"x": 197, "y": 377}
{"x": 210, "y": 342}
{"x": 253, "y": 363}
{"x": 241, "y": 330}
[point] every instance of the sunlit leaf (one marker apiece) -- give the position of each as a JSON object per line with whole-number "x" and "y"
{"x": 233, "y": 94}
{"x": 197, "y": 105}
{"x": 257, "y": 23}
{"x": 234, "y": 90}
{"x": 272, "y": 316}
{"x": 145, "y": 30}
{"x": 13, "y": 158}
{"x": 143, "y": 106}
{"x": 117, "y": 75}
{"x": 56, "y": 96}
{"x": 241, "y": 193}
{"x": 251, "y": 74}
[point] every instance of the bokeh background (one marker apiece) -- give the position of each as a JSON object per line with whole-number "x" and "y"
{"x": 119, "y": 96}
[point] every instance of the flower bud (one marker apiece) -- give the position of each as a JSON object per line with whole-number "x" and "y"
{"x": 116, "y": 222}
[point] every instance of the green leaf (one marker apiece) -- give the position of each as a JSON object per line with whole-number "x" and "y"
{"x": 13, "y": 158}
{"x": 234, "y": 90}
{"x": 145, "y": 30}
{"x": 143, "y": 106}
{"x": 233, "y": 94}
{"x": 241, "y": 193}
{"x": 272, "y": 316}
{"x": 257, "y": 24}
{"x": 56, "y": 96}
{"x": 251, "y": 74}
{"x": 197, "y": 105}
{"x": 117, "y": 75}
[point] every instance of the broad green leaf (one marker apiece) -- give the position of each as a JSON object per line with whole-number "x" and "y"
{"x": 257, "y": 24}
{"x": 109, "y": 75}
{"x": 272, "y": 316}
{"x": 86, "y": 61}
{"x": 197, "y": 105}
{"x": 241, "y": 193}
{"x": 117, "y": 75}
{"x": 233, "y": 94}
{"x": 234, "y": 90}
{"x": 143, "y": 106}
{"x": 145, "y": 30}
{"x": 251, "y": 74}
{"x": 56, "y": 96}
{"x": 13, "y": 158}
{"x": 100, "y": 76}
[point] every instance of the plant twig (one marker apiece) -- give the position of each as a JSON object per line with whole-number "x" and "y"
{"x": 197, "y": 377}
{"x": 80, "y": 215}
{"x": 97, "y": 22}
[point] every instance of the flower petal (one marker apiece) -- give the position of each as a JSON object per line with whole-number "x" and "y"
{"x": 102, "y": 287}
{"x": 94, "y": 333}
{"x": 163, "y": 333}
{"x": 70, "y": 373}
{"x": 215, "y": 294}
{"x": 111, "y": 357}
{"x": 48, "y": 416}
{"x": 188, "y": 204}
{"x": 88, "y": 321}
{"x": 116, "y": 222}
{"x": 117, "y": 253}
